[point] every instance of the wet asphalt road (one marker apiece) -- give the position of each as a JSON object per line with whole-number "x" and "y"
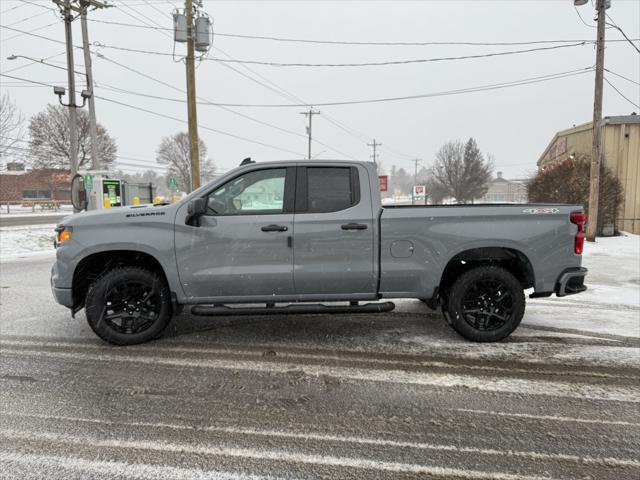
{"x": 35, "y": 219}
{"x": 396, "y": 395}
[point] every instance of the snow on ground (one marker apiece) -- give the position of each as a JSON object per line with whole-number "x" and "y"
{"x": 611, "y": 305}
{"x": 20, "y": 211}
{"x": 26, "y": 241}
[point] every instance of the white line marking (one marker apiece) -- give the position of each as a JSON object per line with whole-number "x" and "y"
{"x": 344, "y": 439}
{"x": 629, "y": 393}
{"x": 547, "y": 417}
{"x": 272, "y": 455}
{"x": 115, "y": 469}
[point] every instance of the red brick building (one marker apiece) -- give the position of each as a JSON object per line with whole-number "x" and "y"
{"x": 17, "y": 185}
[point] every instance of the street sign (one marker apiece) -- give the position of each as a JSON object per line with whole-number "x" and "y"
{"x": 88, "y": 182}
{"x": 419, "y": 190}
{"x": 172, "y": 183}
{"x": 383, "y": 180}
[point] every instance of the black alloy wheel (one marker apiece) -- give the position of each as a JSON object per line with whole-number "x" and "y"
{"x": 485, "y": 304}
{"x": 131, "y": 306}
{"x": 128, "y": 305}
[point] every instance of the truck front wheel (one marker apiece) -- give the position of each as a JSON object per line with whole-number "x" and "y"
{"x": 485, "y": 304}
{"x": 128, "y": 305}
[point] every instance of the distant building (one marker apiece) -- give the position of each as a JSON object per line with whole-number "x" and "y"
{"x": 621, "y": 147}
{"x": 18, "y": 185}
{"x": 502, "y": 190}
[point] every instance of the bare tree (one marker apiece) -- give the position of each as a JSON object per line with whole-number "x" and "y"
{"x": 460, "y": 171}
{"x": 174, "y": 152}
{"x": 11, "y": 124}
{"x": 50, "y": 143}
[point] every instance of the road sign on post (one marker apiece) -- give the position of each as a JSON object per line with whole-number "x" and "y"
{"x": 383, "y": 180}
{"x": 172, "y": 183}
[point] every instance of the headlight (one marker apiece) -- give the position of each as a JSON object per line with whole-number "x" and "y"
{"x": 64, "y": 233}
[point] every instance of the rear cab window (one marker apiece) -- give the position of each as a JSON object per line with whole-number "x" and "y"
{"x": 326, "y": 189}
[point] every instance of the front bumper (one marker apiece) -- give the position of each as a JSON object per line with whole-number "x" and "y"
{"x": 63, "y": 296}
{"x": 571, "y": 281}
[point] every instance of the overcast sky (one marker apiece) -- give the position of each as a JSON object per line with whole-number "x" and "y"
{"x": 513, "y": 124}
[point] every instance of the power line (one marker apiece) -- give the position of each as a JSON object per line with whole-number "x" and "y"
{"x": 151, "y": 112}
{"x": 362, "y": 64}
{"x": 622, "y": 76}
{"x": 614, "y": 25}
{"x": 171, "y": 86}
{"x": 620, "y": 93}
{"x": 30, "y": 17}
{"x": 221, "y": 132}
{"x": 480, "y": 88}
{"x": 363, "y": 43}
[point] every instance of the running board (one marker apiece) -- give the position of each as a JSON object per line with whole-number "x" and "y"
{"x": 209, "y": 310}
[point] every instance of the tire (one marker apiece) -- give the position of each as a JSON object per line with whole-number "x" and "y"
{"x": 128, "y": 305}
{"x": 485, "y": 304}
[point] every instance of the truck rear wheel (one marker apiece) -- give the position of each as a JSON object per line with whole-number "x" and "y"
{"x": 485, "y": 304}
{"x": 128, "y": 305}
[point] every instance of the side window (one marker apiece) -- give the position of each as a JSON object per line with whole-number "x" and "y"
{"x": 256, "y": 192}
{"x": 330, "y": 189}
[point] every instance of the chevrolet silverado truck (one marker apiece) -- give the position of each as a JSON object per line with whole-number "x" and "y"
{"x": 311, "y": 237}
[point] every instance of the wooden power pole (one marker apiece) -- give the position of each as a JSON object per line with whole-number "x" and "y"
{"x": 309, "y": 114}
{"x": 596, "y": 151}
{"x": 375, "y": 146}
{"x": 191, "y": 97}
{"x": 93, "y": 129}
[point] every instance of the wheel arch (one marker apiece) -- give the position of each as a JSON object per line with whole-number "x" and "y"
{"x": 511, "y": 259}
{"x": 98, "y": 263}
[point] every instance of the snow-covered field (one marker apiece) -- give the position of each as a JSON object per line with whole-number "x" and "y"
{"x": 26, "y": 241}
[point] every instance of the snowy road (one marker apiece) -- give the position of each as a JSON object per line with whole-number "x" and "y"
{"x": 397, "y": 395}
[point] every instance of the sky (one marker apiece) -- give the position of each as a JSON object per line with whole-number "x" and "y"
{"x": 513, "y": 125}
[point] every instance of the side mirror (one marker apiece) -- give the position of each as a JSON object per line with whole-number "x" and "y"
{"x": 195, "y": 209}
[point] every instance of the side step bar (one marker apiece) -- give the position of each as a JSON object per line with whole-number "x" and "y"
{"x": 209, "y": 310}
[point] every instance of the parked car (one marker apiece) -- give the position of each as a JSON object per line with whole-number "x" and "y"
{"x": 307, "y": 235}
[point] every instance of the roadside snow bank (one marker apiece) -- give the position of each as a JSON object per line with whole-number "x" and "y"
{"x": 611, "y": 305}
{"x": 28, "y": 240}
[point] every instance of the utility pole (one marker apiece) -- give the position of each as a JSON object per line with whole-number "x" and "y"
{"x": 310, "y": 114}
{"x": 93, "y": 130}
{"x": 415, "y": 180}
{"x": 375, "y": 154}
{"x": 191, "y": 97}
{"x": 596, "y": 150}
{"x": 73, "y": 129}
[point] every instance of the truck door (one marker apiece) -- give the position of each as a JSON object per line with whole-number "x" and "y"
{"x": 333, "y": 232}
{"x": 241, "y": 247}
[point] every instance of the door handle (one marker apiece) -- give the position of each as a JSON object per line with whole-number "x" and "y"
{"x": 354, "y": 226}
{"x": 274, "y": 228}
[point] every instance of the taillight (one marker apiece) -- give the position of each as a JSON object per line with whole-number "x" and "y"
{"x": 579, "y": 218}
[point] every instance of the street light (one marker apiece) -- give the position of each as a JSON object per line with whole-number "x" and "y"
{"x": 59, "y": 91}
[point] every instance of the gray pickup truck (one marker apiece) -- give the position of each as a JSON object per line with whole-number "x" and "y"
{"x": 312, "y": 236}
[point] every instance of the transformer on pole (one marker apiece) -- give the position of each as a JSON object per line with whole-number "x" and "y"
{"x": 193, "y": 27}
